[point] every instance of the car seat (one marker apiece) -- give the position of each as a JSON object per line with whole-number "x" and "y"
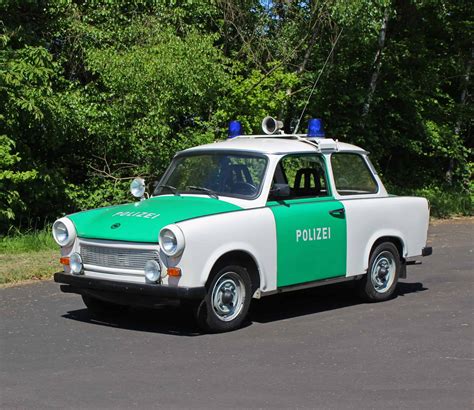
{"x": 307, "y": 175}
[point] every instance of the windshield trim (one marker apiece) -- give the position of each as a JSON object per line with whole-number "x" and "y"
{"x": 243, "y": 153}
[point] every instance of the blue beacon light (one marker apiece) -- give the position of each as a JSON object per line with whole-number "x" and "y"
{"x": 315, "y": 128}
{"x": 235, "y": 129}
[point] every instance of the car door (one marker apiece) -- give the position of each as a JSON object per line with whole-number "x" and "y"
{"x": 310, "y": 223}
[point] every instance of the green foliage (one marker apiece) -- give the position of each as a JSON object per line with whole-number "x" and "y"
{"x": 149, "y": 96}
{"x": 255, "y": 96}
{"x": 31, "y": 241}
{"x": 29, "y": 119}
{"x": 9, "y": 179}
{"x": 94, "y": 93}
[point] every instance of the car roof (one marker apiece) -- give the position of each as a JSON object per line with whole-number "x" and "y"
{"x": 276, "y": 145}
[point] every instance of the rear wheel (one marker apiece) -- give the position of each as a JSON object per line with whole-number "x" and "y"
{"x": 101, "y": 307}
{"x": 227, "y": 300}
{"x": 382, "y": 276}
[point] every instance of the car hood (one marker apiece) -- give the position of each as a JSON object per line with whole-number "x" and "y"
{"x": 142, "y": 221}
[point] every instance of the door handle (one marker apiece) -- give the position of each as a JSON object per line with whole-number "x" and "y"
{"x": 338, "y": 213}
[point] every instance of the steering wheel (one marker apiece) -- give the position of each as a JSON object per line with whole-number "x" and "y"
{"x": 244, "y": 188}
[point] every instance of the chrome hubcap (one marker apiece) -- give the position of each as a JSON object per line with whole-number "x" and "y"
{"x": 228, "y": 296}
{"x": 383, "y": 272}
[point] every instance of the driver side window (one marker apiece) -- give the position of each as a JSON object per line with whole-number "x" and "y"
{"x": 304, "y": 173}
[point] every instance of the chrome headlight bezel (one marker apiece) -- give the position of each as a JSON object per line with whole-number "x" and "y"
{"x": 171, "y": 240}
{"x": 61, "y": 226}
{"x": 76, "y": 264}
{"x": 153, "y": 271}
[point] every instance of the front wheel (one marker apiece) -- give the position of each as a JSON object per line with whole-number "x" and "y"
{"x": 382, "y": 276}
{"x": 227, "y": 300}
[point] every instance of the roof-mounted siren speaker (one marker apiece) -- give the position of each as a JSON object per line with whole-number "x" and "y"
{"x": 271, "y": 126}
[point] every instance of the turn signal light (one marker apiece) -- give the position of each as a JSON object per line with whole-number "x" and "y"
{"x": 64, "y": 260}
{"x": 174, "y": 271}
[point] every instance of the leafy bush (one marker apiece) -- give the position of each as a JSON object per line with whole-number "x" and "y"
{"x": 93, "y": 93}
{"x": 10, "y": 179}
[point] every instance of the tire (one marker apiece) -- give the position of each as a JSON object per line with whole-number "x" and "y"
{"x": 99, "y": 307}
{"x": 381, "y": 280}
{"x": 227, "y": 300}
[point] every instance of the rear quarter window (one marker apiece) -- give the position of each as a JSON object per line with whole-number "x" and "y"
{"x": 352, "y": 176}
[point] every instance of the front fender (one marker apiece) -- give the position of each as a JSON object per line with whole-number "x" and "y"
{"x": 207, "y": 239}
{"x": 225, "y": 249}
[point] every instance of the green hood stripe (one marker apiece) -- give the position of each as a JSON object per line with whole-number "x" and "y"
{"x": 142, "y": 221}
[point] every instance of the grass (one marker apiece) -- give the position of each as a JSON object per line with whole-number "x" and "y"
{"x": 30, "y": 256}
{"x": 28, "y": 242}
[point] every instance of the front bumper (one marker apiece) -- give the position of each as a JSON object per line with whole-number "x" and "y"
{"x": 124, "y": 292}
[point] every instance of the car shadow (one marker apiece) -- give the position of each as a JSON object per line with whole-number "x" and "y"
{"x": 315, "y": 300}
{"x": 405, "y": 288}
{"x": 179, "y": 321}
{"x": 169, "y": 320}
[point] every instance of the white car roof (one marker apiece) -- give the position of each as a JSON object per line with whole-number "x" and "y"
{"x": 276, "y": 145}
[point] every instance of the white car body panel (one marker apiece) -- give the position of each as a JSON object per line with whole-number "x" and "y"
{"x": 284, "y": 144}
{"x": 369, "y": 219}
{"x": 208, "y": 238}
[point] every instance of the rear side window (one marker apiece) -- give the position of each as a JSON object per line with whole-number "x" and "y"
{"x": 352, "y": 175}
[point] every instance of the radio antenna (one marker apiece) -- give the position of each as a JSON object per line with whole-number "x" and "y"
{"x": 316, "y": 82}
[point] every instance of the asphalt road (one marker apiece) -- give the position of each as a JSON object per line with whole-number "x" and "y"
{"x": 313, "y": 349}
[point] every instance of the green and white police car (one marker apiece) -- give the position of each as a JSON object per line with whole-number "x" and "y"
{"x": 245, "y": 218}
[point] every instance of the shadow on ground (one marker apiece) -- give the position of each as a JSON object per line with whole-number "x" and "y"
{"x": 315, "y": 300}
{"x": 179, "y": 321}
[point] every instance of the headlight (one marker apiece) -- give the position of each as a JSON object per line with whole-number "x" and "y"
{"x": 168, "y": 242}
{"x": 152, "y": 271}
{"x": 64, "y": 231}
{"x": 75, "y": 263}
{"x": 171, "y": 240}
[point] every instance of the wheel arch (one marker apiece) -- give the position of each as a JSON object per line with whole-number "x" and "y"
{"x": 387, "y": 235}
{"x": 241, "y": 258}
{"x": 396, "y": 240}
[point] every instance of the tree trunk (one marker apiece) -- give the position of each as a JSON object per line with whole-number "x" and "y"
{"x": 462, "y": 102}
{"x": 377, "y": 64}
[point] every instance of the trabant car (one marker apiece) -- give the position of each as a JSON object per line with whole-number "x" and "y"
{"x": 245, "y": 218}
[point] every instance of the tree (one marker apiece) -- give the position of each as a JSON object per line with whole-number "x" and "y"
{"x": 93, "y": 93}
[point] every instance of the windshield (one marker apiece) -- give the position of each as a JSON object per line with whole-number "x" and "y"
{"x": 214, "y": 174}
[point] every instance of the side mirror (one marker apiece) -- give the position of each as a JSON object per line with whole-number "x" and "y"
{"x": 280, "y": 191}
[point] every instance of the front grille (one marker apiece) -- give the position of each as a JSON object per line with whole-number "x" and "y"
{"x": 121, "y": 258}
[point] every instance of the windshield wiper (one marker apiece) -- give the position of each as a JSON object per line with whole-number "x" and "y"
{"x": 208, "y": 191}
{"x": 171, "y": 188}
